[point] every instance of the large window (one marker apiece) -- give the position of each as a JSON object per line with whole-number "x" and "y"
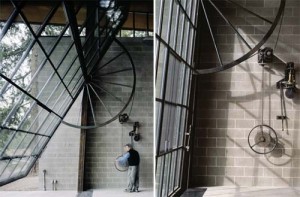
{"x": 175, "y": 37}
{"x": 46, "y": 53}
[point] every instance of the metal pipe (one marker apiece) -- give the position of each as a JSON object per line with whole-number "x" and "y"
{"x": 53, "y": 182}
{"x": 44, "y": 179}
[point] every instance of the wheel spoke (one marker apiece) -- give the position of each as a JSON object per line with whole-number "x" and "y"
{"x": 118, "y": 84}
{"x": 114, "y": 72}
{"x": 230, "y": 24}
{"x": 250, "y": 12}
{"x": 212, "y": 34}
{"x": 110, "y": 61}
{"x": 91, "y": 104}
{"x": 103, "y": 89}
{"x": 255, "y": 144}
{"x": 101, "y": 100}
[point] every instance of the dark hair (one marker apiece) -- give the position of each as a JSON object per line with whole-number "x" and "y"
{"x": 129, "y": 145}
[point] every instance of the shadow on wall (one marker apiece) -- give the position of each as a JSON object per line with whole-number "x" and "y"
{"x": 229, "y": 106}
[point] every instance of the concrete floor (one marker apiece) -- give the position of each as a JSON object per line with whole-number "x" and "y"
{"x": 38, "y": 193}
{"x": 121, "y": 193}
{"x": 252, "y": 191}
{"x": 28, "y": 187}
{"x": 94, "y": 193}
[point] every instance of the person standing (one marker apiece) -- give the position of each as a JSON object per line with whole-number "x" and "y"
{"x": 132, "y": 158}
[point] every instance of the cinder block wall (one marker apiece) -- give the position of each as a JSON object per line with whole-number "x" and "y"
{"x": 228, "y": 107}
{"x": 104, "y": 144}
{"x": 61, "y": 156}
{"x": 60, "y": 159}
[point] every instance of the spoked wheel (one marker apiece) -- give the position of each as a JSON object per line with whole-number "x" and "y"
{"x": 262, "y": 139}
{"x": 226, "y": 24}
{"x": 120, "y": 166}
{"x": 109, "y": 89}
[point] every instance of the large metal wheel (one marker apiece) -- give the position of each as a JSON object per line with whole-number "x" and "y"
{"x": 215, "y": 14}
{"x": 262, "y": 139}
{"x": 109, "y": 90}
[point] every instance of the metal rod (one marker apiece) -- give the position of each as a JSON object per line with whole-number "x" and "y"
{"x": 44, "y": 179}
{"x": 91, "y": 104}
{"x": 40, "y": 44}
{"x": 262, "y": 94}
{"x": 41, "y": 66}
{"x": 185, "y": 13}
{"x": 211, "y": 34}
{"x": 75, "y": 34}
{"x": 118, "y": 84}
{"x": 16, "y": 157}
{"x": 133, "y": 23}
{"x": 281, "y": 106}
{"x": 23, "y": 131}
{"x": 250, "y": 12}
{"x": 114, "y": 72}
{"x": 8, "y": 24}
{"x": 101, "y": 101}
{"x": 111, "y": 60}
{"x": 173, "y": 52}
{"x": 101, "y": 88}
{"x": 230, "y": 24}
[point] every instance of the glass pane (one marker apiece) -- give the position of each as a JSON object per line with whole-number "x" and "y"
{"x": 160, "y": 71}
{"x": 189, "y": 7}
{"x": 187, "y": 86}
{"x": 63, "y": 53}
{"x": 9, "y": 169}
{"x": 165, "y": 19}
{"x": 172, "y": 172}
{"x": 5, "y": 135}
{"x": 183, "y": 3}
{"x": 174, "y": 23}
{"x": 185, "y": 39}
{"x": 176, "y": 133}
{"x": 15, "y": 47}
{"x": 157, "y": 112}
{"x": 23, "y": 144}
{"x": 27, "y": 165}
{"x": 3, "y": 164}
{"x": 34, "y": 144}
{"x": 180, "y": 31}
{"x": 166, "y": 175}
{"x": 13, "y": 145}
{"x": 182, "y": 128}
{"x": 178, "y": 169}
{"x": 157, "y": 15}
{"x": 194, "y": 12}
{"x": 174, "y": 80}
{"x": 190, "y": 46}
{"x": 165, "y": 128}
{"x": 158, "y": 175}
{"x": 19, "y": 167}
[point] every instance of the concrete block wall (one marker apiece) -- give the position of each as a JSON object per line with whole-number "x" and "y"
{"x": 61, "y": 159}
{"x": 104, "y": 144}
{"x": 61, "y": 156}
{"x": 229, "y": 106}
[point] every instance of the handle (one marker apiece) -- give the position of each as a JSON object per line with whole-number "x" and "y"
{"x": 188, "y": 134}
